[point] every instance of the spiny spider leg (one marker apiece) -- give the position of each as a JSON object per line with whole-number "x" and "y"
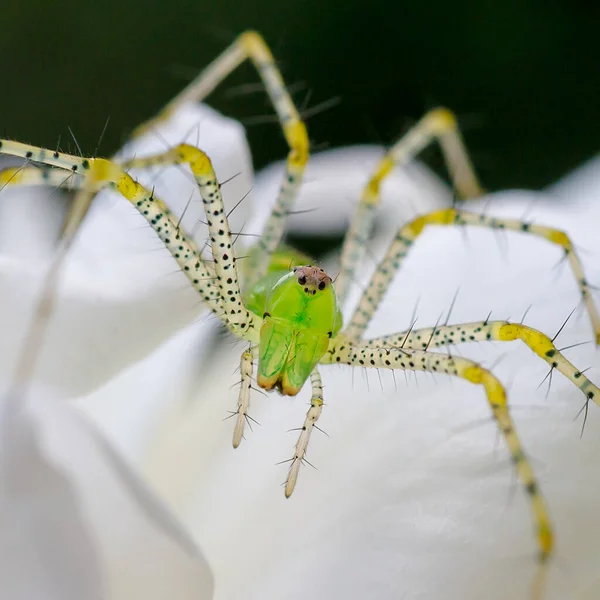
{"x": 407, "y": 235}
{"x": 246, "y": 369}
{"x": 439, "y": 124}
{"x": 101, "y": 173}
{"x": 312, "y": 416}
{"x": 341, "y": 351}
{"x": 35, "y": 176}
{"x": 501, "y": 331}
{"x": 240, "y": 319}
{"x": 251, "y": 45}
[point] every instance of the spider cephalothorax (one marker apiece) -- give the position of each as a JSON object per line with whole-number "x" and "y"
{"x": 300, "y": 315}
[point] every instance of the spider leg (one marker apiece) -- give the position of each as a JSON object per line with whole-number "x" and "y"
{"x": 244, "y": 397}
{"x": 240, "y": 319}
{"x": 439, "y": 124}
{"x": 408, "y": 234}
{"x": 250, "y": 45}
{"x": 312, "y": 416}
{"x": 35, "y": 176}
{"x": 501, "y": 331}
{"x": 100, "y": 173}
{"x": 342, "y": 351}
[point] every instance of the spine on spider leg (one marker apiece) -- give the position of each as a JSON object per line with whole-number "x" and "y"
{"x": 443, "y": 125}
{"x": 182, "y": 247}
{"x": 550, "y": 234}
{"x": 481, "y": 331}
{"x": 543, "y": 346}
{"x": 296, "y": 136}
{"x": 206, "y": 81}
{"x": 244, "y": 397}
{"x": 439, "y": 124}
{"x": 380, "y": 281}
{"x": 312, "y": 416}
{"x": 44, "y": 156}
{"x": 250, "y": 45}
{"x": 273, "y": 232}
{"x": 354, "y": 245}
{"x": 34, "y": 176}
{"x": 407, "y": 235}
{"x": 225, "y": 276}
{"x": 242, "y": 320}
{"x": 343, "y": 351}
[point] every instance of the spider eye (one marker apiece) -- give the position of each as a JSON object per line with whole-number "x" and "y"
{"x": 302, "y": 279}
{"x": 322, "y": 285}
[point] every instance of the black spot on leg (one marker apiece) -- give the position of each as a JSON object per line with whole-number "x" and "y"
{"x": 517, "y": 457}
{"x": 531, "y": 488}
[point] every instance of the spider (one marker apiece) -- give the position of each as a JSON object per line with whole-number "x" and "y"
{"x": 287, "y": 309}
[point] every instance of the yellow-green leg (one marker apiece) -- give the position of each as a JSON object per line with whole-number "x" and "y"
{"x": 246, "y": 361}
{"x": 242, "y": 321}
{"x": 408, "y": 234}
{"x": 100, "y": 173}
{"x": 500, "y": 331}
{"x": 342, "y": 351}
{"x": 439, "y": 124}
{"x": 37, "y": 177}
{"x": 250, "y": 45}
{"x": 312, "y": 416}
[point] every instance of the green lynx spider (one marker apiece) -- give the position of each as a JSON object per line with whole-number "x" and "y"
{"x": 291, "y": 318}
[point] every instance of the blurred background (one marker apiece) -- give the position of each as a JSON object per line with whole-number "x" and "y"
{"x": 522, "y": 75}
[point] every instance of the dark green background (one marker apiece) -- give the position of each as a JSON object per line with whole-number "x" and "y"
{"x": 522, "y": 76}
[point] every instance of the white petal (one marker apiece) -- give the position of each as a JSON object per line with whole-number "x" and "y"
{"x": 77, "y": 523}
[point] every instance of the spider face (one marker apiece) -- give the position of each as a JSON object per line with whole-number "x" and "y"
{"x": 312, "y": 279}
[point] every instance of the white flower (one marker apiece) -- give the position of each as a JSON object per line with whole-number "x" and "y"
{"x": 411, "y": 498}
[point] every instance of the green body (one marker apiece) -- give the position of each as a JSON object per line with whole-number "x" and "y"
{"x": 300, "y": 314}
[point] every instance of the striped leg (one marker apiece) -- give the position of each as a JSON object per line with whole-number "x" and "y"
{"x": 439, "y": 124}
{"x": 312, "y": 416}
{"x": 407, "y": 235}
{"x": 343, "y": 352}
{"x": 244, "y": 397}
{"x": 501, "y": 331}
{"x": 101, "y": 172}
{"x": 250, "y": 45}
